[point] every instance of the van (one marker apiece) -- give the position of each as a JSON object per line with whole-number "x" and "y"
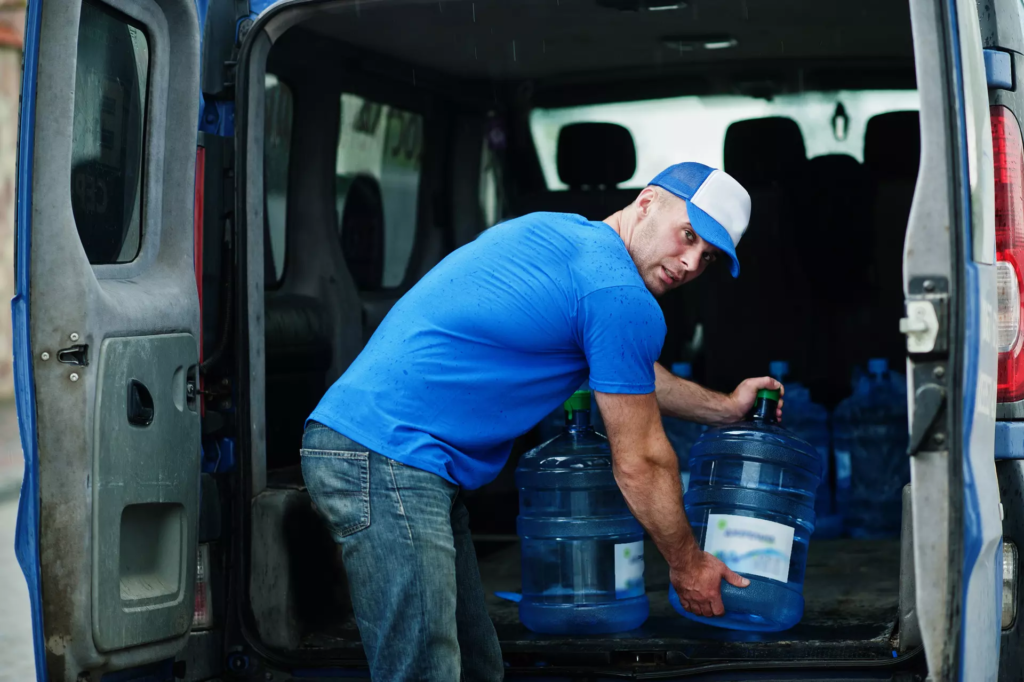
{"x": 219, "y": 202}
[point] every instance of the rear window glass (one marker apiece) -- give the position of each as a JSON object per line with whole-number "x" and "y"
{"x": 109, "y": 118}
{"x": 276, "y": 152}
{"x": 668, "y": 131}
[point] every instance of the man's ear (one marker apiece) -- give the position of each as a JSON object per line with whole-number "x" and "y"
{"x": 645, "y": 202}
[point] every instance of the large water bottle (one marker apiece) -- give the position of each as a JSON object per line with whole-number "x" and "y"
{"x": 582, "y": 550}
{"x": 682, "y": 434}
{"x": 871, "y": 436}
{"x": 809, "y": 421}
{"x": 751, "y": 504}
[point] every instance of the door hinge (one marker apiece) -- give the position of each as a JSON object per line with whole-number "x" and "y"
{"x": 218, "y": 117}
{"x": 929, "y": 400}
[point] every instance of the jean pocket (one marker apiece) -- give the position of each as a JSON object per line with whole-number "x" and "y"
{"x": 339, "y": 485}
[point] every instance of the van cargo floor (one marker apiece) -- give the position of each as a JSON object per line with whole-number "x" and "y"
{"x": 851, "y": 597}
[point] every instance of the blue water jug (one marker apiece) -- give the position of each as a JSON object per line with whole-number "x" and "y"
{"x": 871, "y": 436}
{"x": 751, "y": 504}
{"x": 582, "y": 550}
{"x": 682, "y": 434}
{"x": 809, "y": 420}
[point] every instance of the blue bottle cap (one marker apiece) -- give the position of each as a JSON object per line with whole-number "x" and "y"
{"x": 878, "y": 366}
{"x": 682, "y": 369}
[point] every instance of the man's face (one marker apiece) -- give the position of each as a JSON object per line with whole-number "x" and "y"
{"x": 666, "y": 249}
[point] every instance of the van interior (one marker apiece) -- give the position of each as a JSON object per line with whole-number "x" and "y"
{"x": 397, "y": 131}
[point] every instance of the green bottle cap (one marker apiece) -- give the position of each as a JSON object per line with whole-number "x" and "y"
{"x": 580, "y": 400}
{"x": 770, "y": 394}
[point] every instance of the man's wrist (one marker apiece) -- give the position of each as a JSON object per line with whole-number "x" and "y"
{"x": 727, "y": 411}
{"x": 684, "y": 553}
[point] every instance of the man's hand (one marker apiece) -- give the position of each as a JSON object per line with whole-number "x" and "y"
{"x": 698, "y": 583}
{"x": 742, "y": 399}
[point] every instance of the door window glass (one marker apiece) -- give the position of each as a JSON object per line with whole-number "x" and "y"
{"x": 276, "y": 152}
{"x": 378, "y": 182}
{"x": 109, "y": 118}
{"x": 667, "y": 131}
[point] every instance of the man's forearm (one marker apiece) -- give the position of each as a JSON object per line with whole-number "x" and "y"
{"x": 686, "y": 400}
{"x": 650, "y": 484}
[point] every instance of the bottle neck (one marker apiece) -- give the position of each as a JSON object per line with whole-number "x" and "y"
{"x": 764, "y": 410}
{"x": 579, "y": 420}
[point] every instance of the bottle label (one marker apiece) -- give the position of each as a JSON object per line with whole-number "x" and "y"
{"x": 629, "y": 570}
{"x": 843, "y": 468}
{"x": 751, "y": 546}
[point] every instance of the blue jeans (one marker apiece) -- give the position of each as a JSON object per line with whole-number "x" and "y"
{"x": 412, "y": 571}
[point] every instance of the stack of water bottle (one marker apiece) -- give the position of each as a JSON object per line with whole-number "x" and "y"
{"x": 870, "y": 446}
{"x": 866, "y": 464}
{"x": 755, "y": 492}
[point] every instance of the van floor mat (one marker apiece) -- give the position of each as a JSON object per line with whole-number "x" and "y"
{"x": 851, "y": 595}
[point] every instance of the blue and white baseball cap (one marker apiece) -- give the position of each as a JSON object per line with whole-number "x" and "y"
{"x": 718, "y": 206}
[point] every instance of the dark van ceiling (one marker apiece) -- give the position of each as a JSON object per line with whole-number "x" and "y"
{"x": 552, "y": 39}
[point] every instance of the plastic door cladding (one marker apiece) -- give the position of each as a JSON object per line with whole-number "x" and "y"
{"x": 101, "y": 600}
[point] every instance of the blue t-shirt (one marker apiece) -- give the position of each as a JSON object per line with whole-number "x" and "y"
{"x": 494, "y": 338}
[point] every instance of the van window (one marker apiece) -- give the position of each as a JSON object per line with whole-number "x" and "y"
{"x": 378, "y": 169}
{"x": 276, "y": 150}
{"x": 671, "y": 130}
{"x": 109, "y": 118}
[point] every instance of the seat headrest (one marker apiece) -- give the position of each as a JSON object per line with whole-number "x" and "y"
{"x": 595, "y": 155}
{"x": 761, "y": 151}
{"x": 832, "y": 241}
{"x": 892, "y": 145}
{"x": 361, "y": 222}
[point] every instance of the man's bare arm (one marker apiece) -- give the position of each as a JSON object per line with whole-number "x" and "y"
{"x": 684, "y": 399}
{"x": 647, "y": 472}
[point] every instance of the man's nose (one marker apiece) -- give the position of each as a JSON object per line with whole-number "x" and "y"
{"x": 689, "y": 262}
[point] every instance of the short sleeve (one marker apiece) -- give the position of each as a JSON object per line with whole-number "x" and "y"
{"x": 622, "y": 331}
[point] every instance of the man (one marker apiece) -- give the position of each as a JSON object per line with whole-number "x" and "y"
{"x": 487, "y": 343}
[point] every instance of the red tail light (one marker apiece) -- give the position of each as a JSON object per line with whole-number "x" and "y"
{"x": 1008, "y": 159}
{"x": 203, "y": 615}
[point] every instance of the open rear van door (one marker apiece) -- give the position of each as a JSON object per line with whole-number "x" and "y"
{"x": 950, "y": 287}
{"x": 106, "y": 320}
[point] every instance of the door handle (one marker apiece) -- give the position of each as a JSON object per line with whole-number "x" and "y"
{"x": 140, "y": 404}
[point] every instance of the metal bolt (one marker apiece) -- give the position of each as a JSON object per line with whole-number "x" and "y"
{"x": 939, "y": 438}
{"x": 74, "y": 376}
{"x": 74, "y": 336}
{"x": 244, "y": 28}
{"x": 44, "y": 355}
{"x": 939, "y": 372}
{"x": 929, "y": 285}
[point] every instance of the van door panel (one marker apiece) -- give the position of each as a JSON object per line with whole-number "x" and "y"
{"x": 926, "y": 256}
{"x": 107, "y": 317}
{"x": 948, "y": 258}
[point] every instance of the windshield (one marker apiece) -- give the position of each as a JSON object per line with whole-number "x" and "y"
{"x": 668, "y": 131}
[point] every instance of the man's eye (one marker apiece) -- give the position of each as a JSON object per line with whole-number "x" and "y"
{"x": 689, "y": 235}
{"x": 710, "y": 257}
